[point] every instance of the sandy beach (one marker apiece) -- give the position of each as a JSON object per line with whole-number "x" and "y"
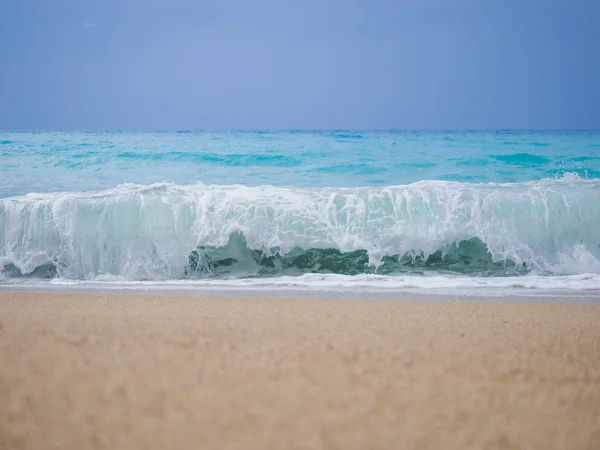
{"x": 110, "y": 371}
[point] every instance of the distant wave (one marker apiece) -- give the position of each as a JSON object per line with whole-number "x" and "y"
{"x": 171, "y": 232}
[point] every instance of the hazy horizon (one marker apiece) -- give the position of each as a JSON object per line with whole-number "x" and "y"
{"x": 304, "y": 130}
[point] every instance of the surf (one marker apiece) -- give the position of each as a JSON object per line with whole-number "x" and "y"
{"x": 168, "y": 231}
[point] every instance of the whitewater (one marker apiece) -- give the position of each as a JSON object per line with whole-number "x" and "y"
{"x": 526, "y": 220}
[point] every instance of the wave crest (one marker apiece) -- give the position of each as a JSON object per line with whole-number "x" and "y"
{"x": 153, "y": 231}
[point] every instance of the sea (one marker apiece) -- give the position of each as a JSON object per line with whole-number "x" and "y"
{"x": 492, "y": 213}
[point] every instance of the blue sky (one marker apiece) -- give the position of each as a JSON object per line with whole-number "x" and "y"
{"x": 266, "y": 64}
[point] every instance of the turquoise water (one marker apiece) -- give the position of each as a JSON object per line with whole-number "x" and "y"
{"x": 47, "y": 162}
{"x": 395, "y": 209}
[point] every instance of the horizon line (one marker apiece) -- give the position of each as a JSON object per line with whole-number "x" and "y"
{"x": 290, "y": 130}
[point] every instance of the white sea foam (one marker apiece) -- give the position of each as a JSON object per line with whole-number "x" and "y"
{"x": 147, "y": 232}
{"x": 361, "y": 286}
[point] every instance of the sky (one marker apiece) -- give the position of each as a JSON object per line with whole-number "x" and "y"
{"x": 310, "y": 64}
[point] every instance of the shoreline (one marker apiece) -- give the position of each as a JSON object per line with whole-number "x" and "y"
{"x": 217, "y": 289}
{"x": 98, "y": 370}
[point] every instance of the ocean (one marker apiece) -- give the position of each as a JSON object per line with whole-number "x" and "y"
{"x": 497, "y": 212}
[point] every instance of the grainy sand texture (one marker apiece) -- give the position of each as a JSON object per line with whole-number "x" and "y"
{"x": 103, "y": 371}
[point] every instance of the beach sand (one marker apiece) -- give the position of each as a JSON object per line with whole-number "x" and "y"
{"x": 104, "y": 371}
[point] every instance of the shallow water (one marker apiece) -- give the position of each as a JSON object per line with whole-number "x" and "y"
{"x": 382, "y": 210}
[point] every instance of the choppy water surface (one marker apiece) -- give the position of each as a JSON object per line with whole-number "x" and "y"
{"x": 380, "y": 210}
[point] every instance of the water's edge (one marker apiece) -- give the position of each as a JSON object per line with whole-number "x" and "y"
{"x": 282, "y": 293}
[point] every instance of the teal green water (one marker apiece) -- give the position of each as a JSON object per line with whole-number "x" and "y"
{"x": 141, "y": 207}
{"x": 48, "y": 162}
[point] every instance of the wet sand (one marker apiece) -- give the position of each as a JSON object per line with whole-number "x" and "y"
{"x": 107, "y": 371}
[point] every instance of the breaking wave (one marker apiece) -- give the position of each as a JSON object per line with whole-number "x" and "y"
{"x": 171, "y": 232}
